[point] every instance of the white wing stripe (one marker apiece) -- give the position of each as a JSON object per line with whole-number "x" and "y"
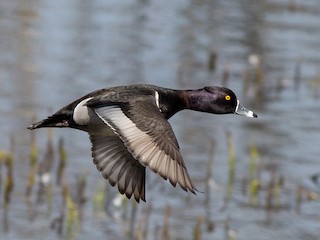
{"x": 141, "y": 145}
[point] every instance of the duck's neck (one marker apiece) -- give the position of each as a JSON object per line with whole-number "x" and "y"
{"x": 197, "y": 100}
{"x": 172, "y": 101}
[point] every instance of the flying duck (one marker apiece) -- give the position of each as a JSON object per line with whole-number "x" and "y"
{"x": 129, "y": 131}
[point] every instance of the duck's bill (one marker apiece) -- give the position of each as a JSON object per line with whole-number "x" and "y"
{"x": 241, "y": 110}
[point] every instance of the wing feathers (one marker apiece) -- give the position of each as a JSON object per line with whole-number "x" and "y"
{"x": 118, "y": 166}
{"x": 159, "y": 155}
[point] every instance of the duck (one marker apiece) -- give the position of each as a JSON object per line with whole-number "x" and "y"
{"x": 129, "y": 130}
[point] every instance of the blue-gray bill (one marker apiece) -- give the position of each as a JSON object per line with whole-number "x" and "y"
{"x": 241, "y": 110}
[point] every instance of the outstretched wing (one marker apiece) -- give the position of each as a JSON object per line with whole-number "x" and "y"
{"x": 118, "y": 166}
{"x": 147, "y": 136}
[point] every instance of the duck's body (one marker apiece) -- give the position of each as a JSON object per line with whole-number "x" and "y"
{"x": 128, "y": 129}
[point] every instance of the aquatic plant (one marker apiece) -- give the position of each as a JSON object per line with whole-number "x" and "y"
{"x": 232, "y": 169}
{"x": 62, "y": 161}
{"x": 33, "y": 161}
{"x": 254, "y": 182}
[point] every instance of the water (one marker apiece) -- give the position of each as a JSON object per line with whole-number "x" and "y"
{"x": 53, "y": 52}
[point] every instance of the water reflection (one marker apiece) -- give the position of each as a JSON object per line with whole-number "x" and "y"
{"x": 55, "y": 51}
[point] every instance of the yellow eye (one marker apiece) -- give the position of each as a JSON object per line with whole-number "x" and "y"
{"x": 227, "y": 97}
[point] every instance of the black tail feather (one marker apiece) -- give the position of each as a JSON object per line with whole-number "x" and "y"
{"x": 56, "y": 120}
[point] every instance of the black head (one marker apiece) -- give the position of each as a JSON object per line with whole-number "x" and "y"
{"x": 217, "y": 100}
{"x": 222, "y": 100}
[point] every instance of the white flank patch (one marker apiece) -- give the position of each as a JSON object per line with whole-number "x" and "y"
{"x": 81, "y": 113}
{"x": 156, "y": 95}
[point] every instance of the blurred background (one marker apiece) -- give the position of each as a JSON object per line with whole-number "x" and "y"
{"x": 258, "y": 178}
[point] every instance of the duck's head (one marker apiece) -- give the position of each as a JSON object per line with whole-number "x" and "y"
{"x": 218, "y": 100}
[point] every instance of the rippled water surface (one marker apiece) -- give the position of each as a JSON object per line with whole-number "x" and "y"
{"x": 52, "y": 52}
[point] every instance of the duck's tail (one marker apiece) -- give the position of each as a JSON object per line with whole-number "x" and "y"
{"x": 59, "y": 119}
